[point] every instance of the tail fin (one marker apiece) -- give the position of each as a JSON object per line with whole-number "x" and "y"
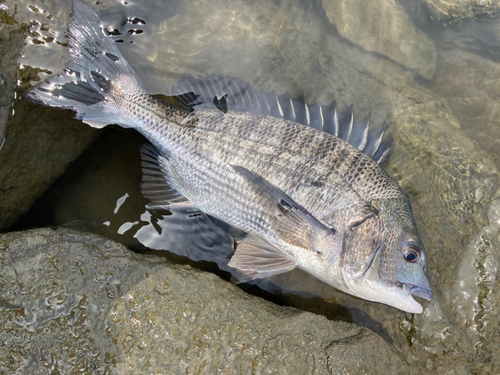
{"x": 95, "y": 77}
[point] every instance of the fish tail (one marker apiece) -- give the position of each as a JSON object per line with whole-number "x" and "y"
{"x": 96, "y": 78}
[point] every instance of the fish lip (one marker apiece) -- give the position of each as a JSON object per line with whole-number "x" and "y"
{"x": 398, "y": 297}
{"x": 420, "y": 292}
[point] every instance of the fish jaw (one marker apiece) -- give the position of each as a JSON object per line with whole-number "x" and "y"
{"x": 367, "y": 286}
{"x": 421, "y": 292}
{"x": 401, "y": 297}
{"x": 370, "y": 287}
{"x": 366, "y": 283}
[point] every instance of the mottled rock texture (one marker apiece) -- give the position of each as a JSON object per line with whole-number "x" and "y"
{"x": 79, "y": 303}
{"x": 11, "y": 39}
{"x": 39, "y": 143}
{"x": 382, "y": 26}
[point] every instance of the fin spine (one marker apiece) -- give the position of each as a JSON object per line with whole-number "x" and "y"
{"x": 241, "y": 96}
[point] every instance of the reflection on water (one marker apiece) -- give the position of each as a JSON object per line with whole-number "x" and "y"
{"x": 91, "y": 197}
{"x": 437, "y": 84}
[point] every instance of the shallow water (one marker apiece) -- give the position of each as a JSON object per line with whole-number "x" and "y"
{"x": 397, "y": 56}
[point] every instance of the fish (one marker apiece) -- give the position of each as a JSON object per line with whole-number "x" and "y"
{"x": 303, "y": 181}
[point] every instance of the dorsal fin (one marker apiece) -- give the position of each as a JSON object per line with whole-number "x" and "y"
{"x": 225, "y": 93}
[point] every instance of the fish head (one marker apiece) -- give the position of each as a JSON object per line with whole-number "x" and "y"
{"x": 384, "y": 259}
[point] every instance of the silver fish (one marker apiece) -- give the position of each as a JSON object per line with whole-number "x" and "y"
{"x": 306, "y": 197}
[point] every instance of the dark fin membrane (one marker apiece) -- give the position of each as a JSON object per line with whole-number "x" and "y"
{"x": 82, "y": 92}
{"x": 233, "y": 94}
{"x": 156, "y": 183}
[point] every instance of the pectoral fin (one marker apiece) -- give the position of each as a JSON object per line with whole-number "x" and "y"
{"x": 291, "y": 219}
{"x": 255, "y": 258}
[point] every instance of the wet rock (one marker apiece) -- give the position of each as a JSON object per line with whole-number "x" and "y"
{"x": 74, "y": 302}
{"x": 471, "y": 85}
{"x": 11, "y": 39}
{"x": 39, "y": 143}
{"x": 383, "y": 26}
{"x": 469, "y": 82}
{"x": 457, "y": 9}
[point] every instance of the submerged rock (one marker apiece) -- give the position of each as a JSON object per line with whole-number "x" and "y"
{"x": 74, "y": 302}
{"x": 457, "y": 9}
{"x": 471, "y": 85}
{"x": 382, "y": 26}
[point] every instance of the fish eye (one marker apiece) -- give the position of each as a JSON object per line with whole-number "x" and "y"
{"x": 411, "y": 253}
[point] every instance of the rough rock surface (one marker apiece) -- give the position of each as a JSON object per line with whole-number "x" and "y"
{"x": 78, "y": 303}
{"x": 383, "y": 26}
{"x": 11, "y": 38}
{"x": 39, "y": 143}
{"x": 471, "y": 85}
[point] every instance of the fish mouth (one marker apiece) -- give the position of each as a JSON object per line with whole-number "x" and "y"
{"x": 420, "y": 292}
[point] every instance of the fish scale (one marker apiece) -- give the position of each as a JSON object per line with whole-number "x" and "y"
{"x": 266, "y": 152}
{"x": 306, "y": 197}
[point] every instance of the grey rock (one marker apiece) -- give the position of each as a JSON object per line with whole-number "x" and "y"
{"x": 73, "y": 302}
{"x": 382, "y": 26}
{"x": 11, "y": 38}
{"x": 39, "y": 143}
{"x": 471, "y": 85}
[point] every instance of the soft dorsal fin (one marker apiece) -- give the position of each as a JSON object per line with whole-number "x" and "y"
{"x": 225, "y": 93}
{"x": 157, "y": 179}
{"x": 256, "y": 259}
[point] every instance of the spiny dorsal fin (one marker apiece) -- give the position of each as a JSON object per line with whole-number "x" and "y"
{"x": 255, "y": 259}
{"x": 225, "y": 93}
{"x": 156, "y": 180}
